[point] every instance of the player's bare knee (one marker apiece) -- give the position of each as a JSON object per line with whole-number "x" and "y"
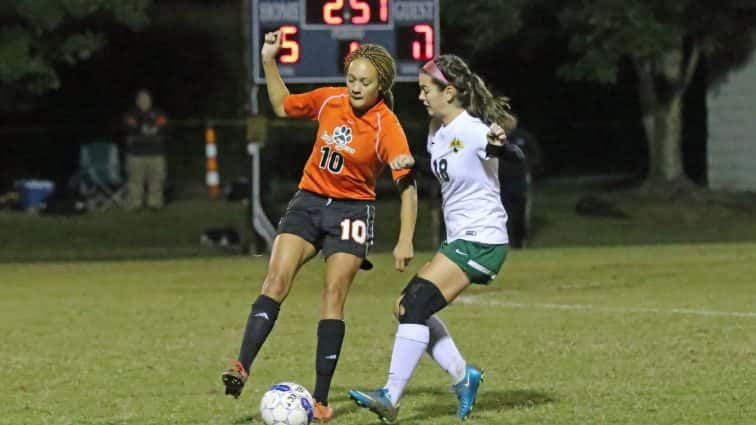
{"x": 276, "y": 285}
{"x": 420, "y": 300}
{"x": 333, "y": 304}
{"x": 334, "y": 294}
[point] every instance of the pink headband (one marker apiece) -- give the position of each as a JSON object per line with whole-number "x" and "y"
{"x": 432, "y": 69}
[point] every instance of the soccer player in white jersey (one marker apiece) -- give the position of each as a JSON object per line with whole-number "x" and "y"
{"x": 467, "y": 135}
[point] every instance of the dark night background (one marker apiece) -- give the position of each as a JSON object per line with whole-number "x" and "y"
{"x": 191, "y": 57}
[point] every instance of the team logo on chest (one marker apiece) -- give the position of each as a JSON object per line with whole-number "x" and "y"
{"x": 342, "y": 136}
{"x": 456, "y": 145}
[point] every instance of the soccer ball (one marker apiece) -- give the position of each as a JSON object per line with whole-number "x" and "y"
{"x": 286, "y": 403}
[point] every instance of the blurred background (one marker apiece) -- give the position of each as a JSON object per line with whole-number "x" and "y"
{"x": 637, "y": 113}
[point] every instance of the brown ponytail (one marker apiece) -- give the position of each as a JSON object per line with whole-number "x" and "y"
{"x": 473, "y": 94}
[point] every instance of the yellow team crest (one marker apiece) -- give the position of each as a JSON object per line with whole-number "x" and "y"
{"x": 456, "y": 145}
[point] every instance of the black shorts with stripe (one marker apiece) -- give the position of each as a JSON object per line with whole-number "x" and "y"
{"x": 331, "y": 225}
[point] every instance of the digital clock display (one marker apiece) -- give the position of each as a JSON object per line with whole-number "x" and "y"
{"x": 346, "y": 12}
{"x": 318, "y": 34}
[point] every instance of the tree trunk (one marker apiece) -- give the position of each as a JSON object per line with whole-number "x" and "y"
{"x": 665, "y": 143}
{"x": 661, "y": 85}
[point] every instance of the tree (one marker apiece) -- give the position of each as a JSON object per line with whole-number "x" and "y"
{"x": 39, "y": 36}
{"x": 663, "y": 39}
{"x": 482, "y": 23}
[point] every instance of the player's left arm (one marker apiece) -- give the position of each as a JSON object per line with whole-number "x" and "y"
{"x": 393, "y": 149}
{"x": 498, "y": 147}
{"x": 418, "y": 163}
{"x": 497, "y": 141}
{"x": 404, "y": 250}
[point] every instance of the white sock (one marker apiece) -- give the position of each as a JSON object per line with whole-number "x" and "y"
{"x": 444, "y": 351}
{"x": 409, "y": 345}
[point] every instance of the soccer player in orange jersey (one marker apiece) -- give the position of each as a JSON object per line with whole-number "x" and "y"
{"x": 333, "y": 211}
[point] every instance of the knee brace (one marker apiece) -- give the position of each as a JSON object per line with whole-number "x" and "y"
{"x": 421, "y": 300}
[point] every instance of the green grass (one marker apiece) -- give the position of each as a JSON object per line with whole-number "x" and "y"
{"x": 649, "y": 320}
{"x": 115, "y": 234}
{"x": 650, "y": 221}
{"x": 634, "y": 335}
{"x": 174, "y": 232}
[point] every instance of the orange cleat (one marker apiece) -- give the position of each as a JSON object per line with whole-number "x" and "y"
{"x": 234, "y": 379}
{"x": 322, "y": 412}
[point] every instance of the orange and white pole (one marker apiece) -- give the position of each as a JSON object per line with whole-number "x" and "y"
{"x": 212, "y": 178}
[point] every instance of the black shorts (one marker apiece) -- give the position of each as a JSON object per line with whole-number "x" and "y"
{"x": 331, "y": 225}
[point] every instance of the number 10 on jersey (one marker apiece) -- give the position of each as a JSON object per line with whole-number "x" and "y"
{"x": 355, "y": 230}
{"x": 331, "y": 160}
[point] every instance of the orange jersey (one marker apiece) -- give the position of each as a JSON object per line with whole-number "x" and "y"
{"x": 350, "y": 151}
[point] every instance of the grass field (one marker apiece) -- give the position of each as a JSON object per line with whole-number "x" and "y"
{"x": 174, "y": 232}
{"x": 662, "y": 334}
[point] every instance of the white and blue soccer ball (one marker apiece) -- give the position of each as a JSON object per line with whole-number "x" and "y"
{"x": 286, "y": 403}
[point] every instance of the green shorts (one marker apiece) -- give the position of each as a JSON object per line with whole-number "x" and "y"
{"x": 481, "y": 262}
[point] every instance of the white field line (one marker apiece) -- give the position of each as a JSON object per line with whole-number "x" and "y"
{"x": 465, "y": 299}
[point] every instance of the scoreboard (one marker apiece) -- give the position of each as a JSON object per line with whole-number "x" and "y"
{"x": 318, "y": 34}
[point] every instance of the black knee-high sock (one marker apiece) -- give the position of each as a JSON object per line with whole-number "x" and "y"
{"x": 259, "y": 324}
{"x": 330, "y": 337}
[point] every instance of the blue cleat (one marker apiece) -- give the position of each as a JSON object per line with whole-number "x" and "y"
{"x": 378, "y": 402}
{"x": 466, "y": 390}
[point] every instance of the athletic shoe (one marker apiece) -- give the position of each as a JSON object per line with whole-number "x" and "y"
{"x": 234, "y": 379}
{"x": 467, "y": 389}
{"x": 377, "y": 402}
{"x": 322, "y": 412}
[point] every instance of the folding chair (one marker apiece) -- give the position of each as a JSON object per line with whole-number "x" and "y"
{"x": 99, "y": 179}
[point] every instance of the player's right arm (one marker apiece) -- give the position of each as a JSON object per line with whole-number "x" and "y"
{"x": 277, "y": 89}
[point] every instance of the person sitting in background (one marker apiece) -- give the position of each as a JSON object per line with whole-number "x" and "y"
{"x": 145, "y": 160}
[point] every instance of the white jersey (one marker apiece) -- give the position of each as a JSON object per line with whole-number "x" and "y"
{"x": 469, "y": 182}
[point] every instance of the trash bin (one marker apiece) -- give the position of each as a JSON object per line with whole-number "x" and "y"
{"x": 32, "y": 193}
